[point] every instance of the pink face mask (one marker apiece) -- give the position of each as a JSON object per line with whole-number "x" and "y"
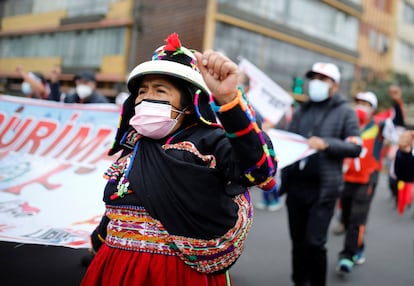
{"x": 153, "y": 119}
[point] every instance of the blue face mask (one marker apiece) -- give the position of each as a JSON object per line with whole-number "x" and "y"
{"x": 26, "y": 88}
{"x": 318, "y": 90}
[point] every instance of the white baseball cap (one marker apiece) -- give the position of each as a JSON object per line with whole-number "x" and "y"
{"x": 368, "y": 96}
{"x": 326, "y": 69}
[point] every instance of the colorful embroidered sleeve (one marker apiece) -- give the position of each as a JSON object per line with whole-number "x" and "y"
{"x": 252, "y": 146}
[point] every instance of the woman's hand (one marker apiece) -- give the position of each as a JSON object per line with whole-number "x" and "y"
{"x": 220, "y": 75}
{"x": 406, "y": 141}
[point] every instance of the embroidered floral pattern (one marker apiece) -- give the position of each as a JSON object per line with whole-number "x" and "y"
{"x": 210, "y": 160}
{"x": 132, "y": 228}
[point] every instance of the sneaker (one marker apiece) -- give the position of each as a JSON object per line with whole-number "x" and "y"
{"x": 344, "y": 266}
{"x": 275, "y": 206}
{"x": 261, "y": 206}
{"x": 359, "y": 258}
{"x": 339, "y": 229}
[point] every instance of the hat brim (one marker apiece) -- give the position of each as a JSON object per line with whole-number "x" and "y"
{"x": 311, "y": 73}
{"x": 371, "y": 101}
{"x": 169, "y": 68}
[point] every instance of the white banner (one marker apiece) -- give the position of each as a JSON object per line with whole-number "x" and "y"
{"x": 266, "y": 96}
{"x": 52, "y": 158}
{"x": 289, "y": 147}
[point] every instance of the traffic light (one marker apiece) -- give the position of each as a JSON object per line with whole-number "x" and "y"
{"x": 297, "y": 87}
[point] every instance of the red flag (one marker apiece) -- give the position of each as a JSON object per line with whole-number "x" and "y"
{"x": 405, "y": 195}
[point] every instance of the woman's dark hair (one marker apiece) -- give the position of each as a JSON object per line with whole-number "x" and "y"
{"x": 187, "y": 91}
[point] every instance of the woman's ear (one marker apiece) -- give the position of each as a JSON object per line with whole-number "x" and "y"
{"x": 189, "y": 111}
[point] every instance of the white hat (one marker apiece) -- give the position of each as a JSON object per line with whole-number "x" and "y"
{"x": 172, "y": 59}
{"x": 326, "y": 69}
{"x": 368, "y": 97}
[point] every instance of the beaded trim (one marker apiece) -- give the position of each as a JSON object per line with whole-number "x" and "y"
{"x": 243, "y": 103}
{"x": 210, "y": 160}
{"x": 118, "y": 169}
{"x": 121, "y": 167}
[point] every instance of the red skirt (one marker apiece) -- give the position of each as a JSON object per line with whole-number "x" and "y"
{"x": 116, "y": 267}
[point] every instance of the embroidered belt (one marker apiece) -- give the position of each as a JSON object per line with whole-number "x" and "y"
{"x": 132, "y": 228}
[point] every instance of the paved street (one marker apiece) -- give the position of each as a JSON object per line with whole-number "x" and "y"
{"x": 389, "y": 250}
{"x": 265, "y": 262}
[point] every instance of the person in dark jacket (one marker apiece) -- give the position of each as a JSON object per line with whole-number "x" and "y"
{"x": 404, "y": 160}
{"x": 313, "y": 184}
{"x": 85, "y": 90}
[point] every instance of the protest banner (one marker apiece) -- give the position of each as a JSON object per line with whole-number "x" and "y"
{"x": 52, "y": 158}
{"x": 265, "y": 95}
{"x": 289, "y": 147}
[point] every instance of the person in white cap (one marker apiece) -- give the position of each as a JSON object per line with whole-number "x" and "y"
{"x": 313, "y": 184}
{"x": 361, "y": 178}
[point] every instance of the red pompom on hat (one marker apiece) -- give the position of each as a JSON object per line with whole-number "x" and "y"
{"x": 173, "y": 43}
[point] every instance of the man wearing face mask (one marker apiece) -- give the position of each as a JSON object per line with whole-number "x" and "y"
{"x": 313, "y": 184}
{"x": 34, "y": 84}
{"x": 85, "y": 91}
{"x": 361, "y": 178}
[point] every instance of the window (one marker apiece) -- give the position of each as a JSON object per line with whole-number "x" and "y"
{"x": 406, "y": 52}
{"x": 273, "y": 10}
{"x": 77, "y": 48}
{"x": 378, "y": 41}
{"x": 408, "y": 13}
{"x": 279, "y": 60}
{"x": 90, "y": 7}
{"x": 311, "y": 17}
{"x": 75, "y": 7}
{"x": 383, "y": 5}
{"x": 17, "y": 7}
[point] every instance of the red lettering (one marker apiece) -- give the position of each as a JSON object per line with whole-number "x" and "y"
{"x": 62, "y": 135}
{"x": 79, "y": 144}
{"x": 42, "y": 130}
{"x": 10, "y": 127}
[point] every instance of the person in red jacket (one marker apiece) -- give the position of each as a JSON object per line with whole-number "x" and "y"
{"x": 361, "y": 177}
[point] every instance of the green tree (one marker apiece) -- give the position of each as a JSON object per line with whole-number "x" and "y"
{"x": 381, "y": 88}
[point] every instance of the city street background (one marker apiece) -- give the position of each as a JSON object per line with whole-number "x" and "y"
{"x": 266, "y": 260}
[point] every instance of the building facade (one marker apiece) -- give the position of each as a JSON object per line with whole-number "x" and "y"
{"x": 283, "y": 38}
{"x": 107, "y": 36}
{"x": 377, "y": 31}
{"x": 403, "y": 59}
{"x": 75, "y": 35}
